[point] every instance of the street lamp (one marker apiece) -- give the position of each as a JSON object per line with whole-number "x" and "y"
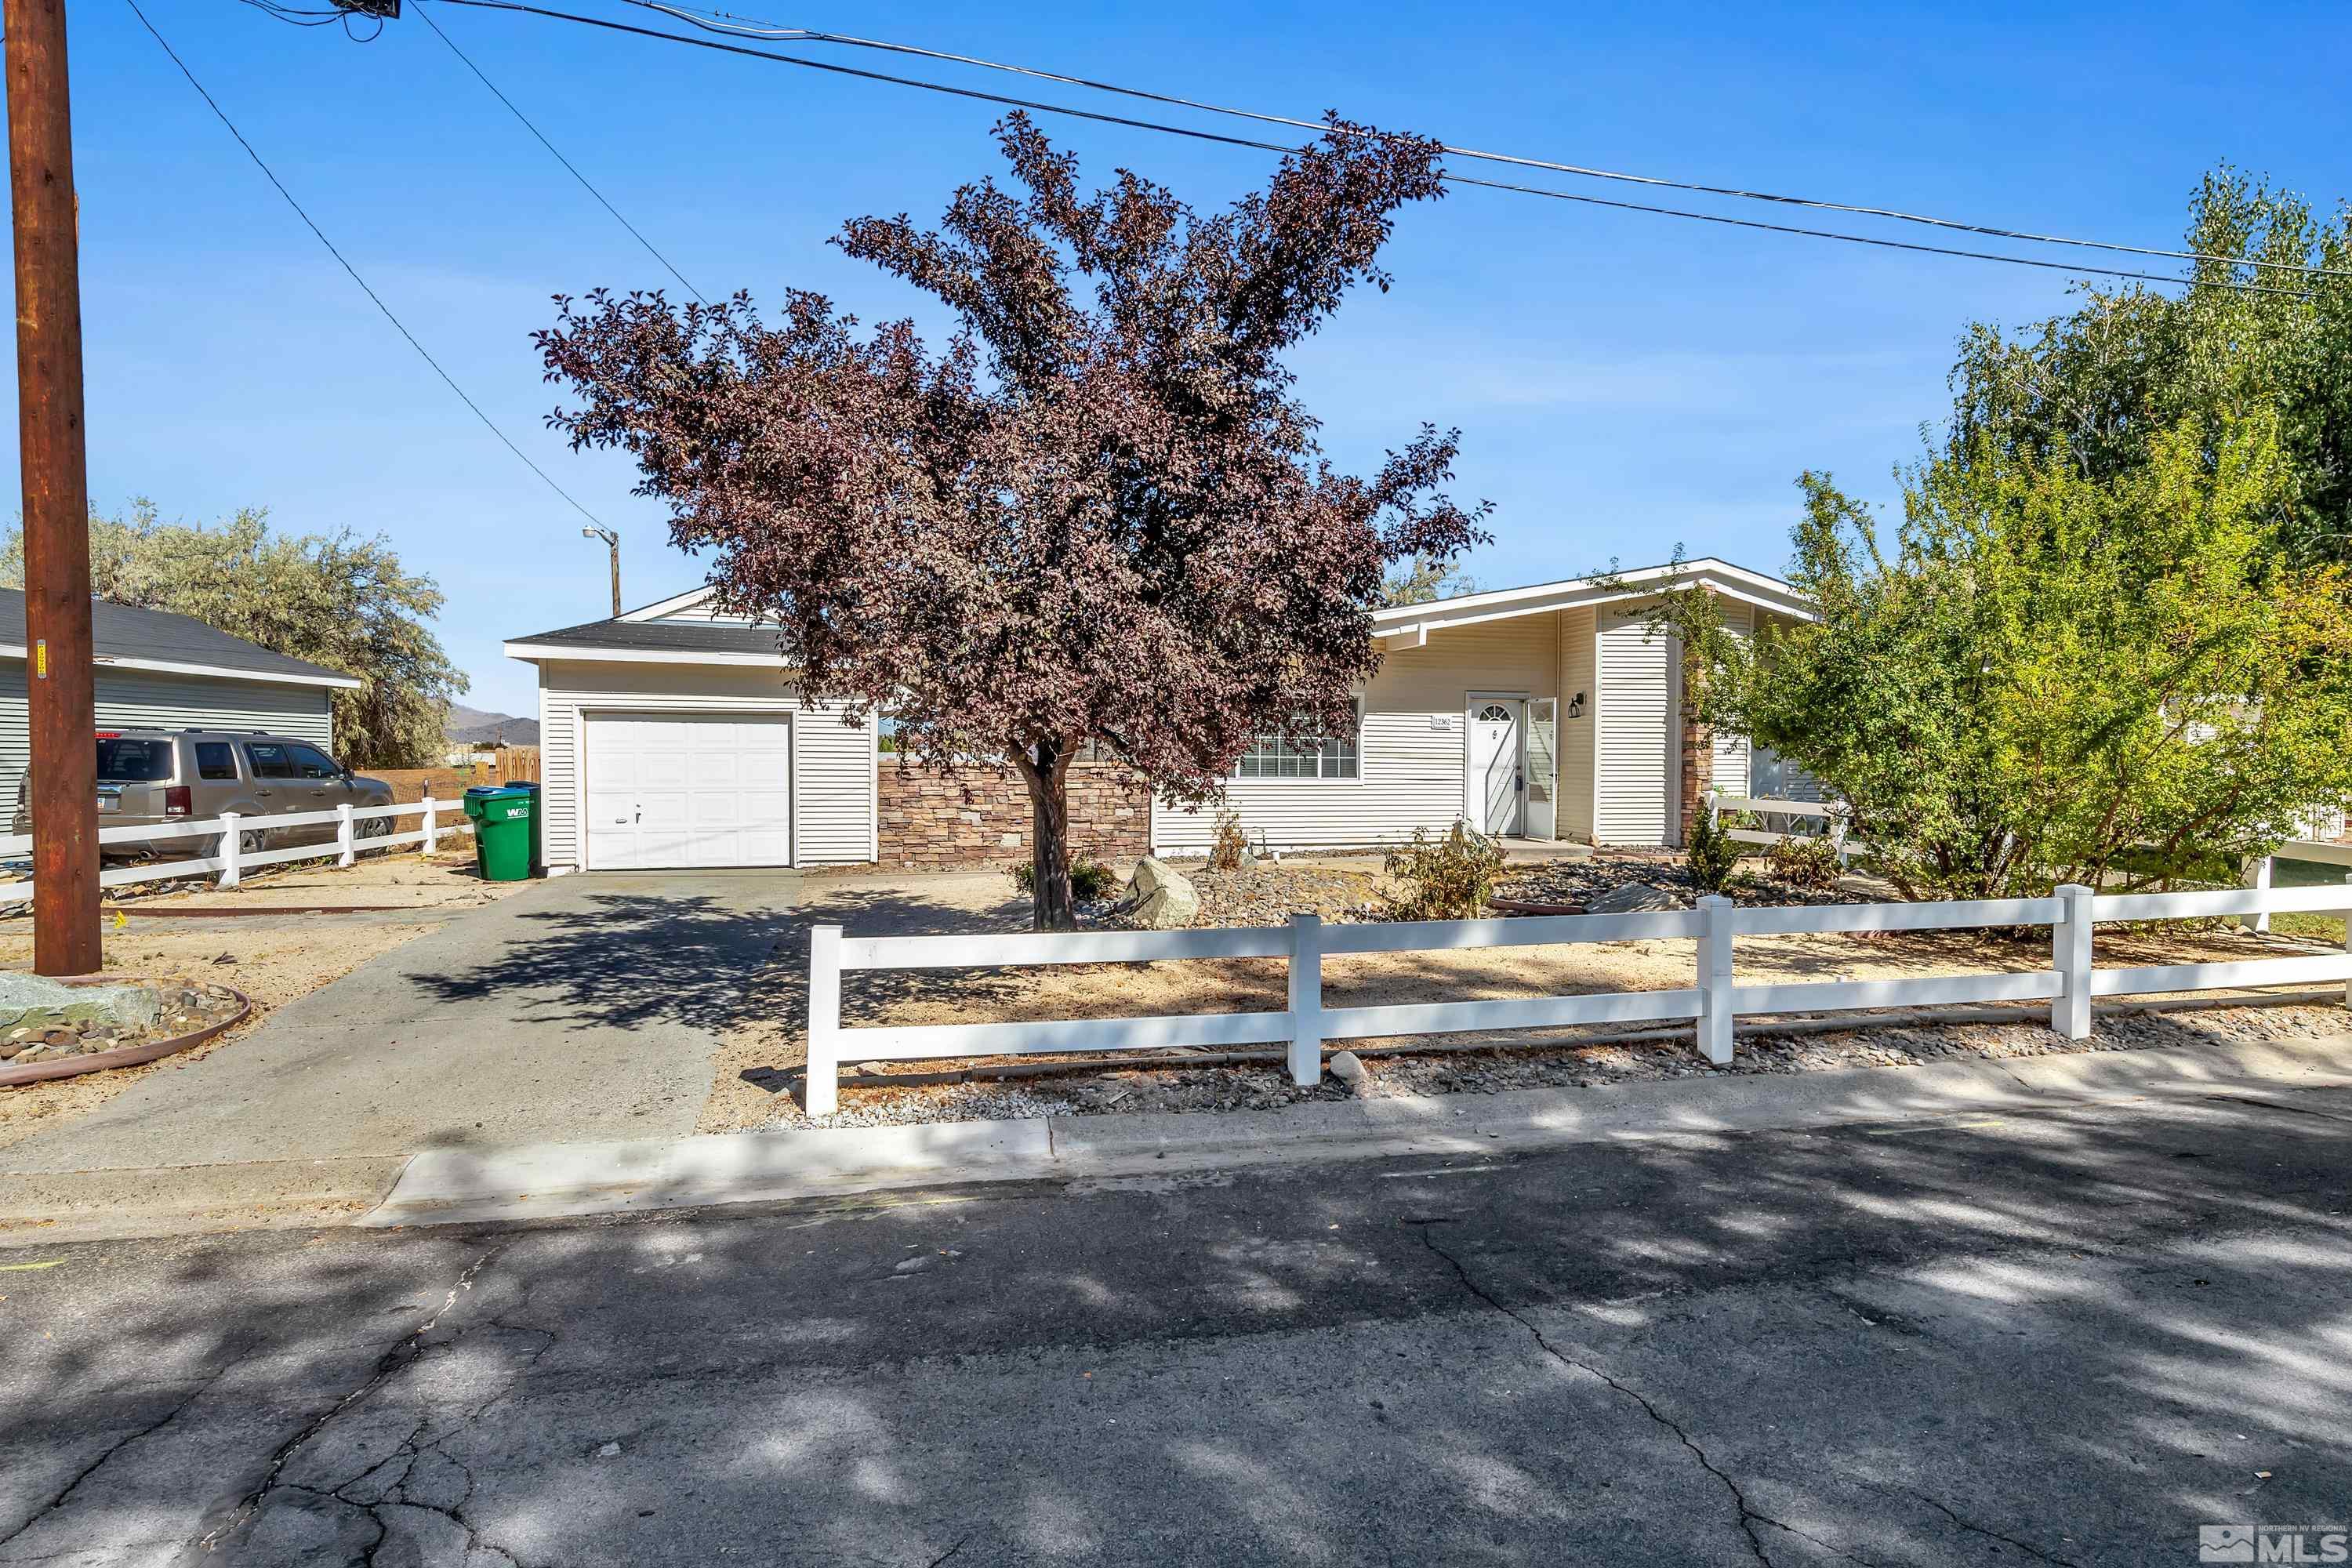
{"x": 613, "y": 541}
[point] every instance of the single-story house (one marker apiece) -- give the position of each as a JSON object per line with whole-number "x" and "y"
{"x": 158, "y": 670}
{"x": 670, "y": 739}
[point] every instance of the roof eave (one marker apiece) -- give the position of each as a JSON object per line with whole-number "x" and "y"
{"x": 210, "y": 671}
{"x": 534, "y": 652}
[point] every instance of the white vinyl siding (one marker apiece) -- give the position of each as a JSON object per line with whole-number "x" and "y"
{"x": 1731, "y": 748}
{"x": 135, "y": 699}
{"x": 1413, "y": 759}
{"x": 1635, "y": 765}
{"x": 833, "y": 762}
{"x": 1576, "y": 676}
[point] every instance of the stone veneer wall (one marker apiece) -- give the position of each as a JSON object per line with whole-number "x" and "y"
{"x": 931, "y": 823}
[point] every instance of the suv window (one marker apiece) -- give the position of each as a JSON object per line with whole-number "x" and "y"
{"x": 313, "y": 764}
{"x": 134, "y": 761}
{"x": 216, "y": 760}
{"x": 268, "y": 760}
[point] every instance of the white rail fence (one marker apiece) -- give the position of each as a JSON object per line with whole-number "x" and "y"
{"x": 1713, "y": 1001}
{"x": 1832, "y": 813}
{"x": 353, "y": 826}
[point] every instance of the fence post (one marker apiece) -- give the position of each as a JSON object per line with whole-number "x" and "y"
{"x": 344, "y": 852}
{"x": 431, "y": 828}
{"x": 2070, "y": 955}
{"x": 2348, "y": 941}
{"x": 1714, "y": 807}
{"x": 821, "y": 1095}
{"x": 2258, "y": 877}
{"x": 1714, "y": 980}
{"x": 1307, "y": 999}
{"x": 1837, "y": 833}
{"x": 231, "y": 842}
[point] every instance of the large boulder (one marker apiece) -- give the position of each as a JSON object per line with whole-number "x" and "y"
{"x": 1159, "y": 897}
{"x": 34, "y": 1001}
{"x": 1633, "y": 897}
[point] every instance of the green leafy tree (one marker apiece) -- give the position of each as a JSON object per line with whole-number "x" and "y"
{"x": 334, "y": 599}
{"x": 2054, "y": 674}
{"x": 1424, "y": 579}
{"x": 2100, "y": 383}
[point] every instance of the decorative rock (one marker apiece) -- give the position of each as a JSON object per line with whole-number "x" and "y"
{"x": 1641, "y": 897}
{"x": 36, "y": 1000}
{"x": 1347, "y": 1067}
{"x": 1159, "y": 897}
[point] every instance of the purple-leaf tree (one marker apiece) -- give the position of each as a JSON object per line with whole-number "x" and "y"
{"x": 1098, "y": 514}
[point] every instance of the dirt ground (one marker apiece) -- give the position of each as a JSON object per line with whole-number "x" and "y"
{"x": 758, "y": 1078}
{"x": 272, "y": 958}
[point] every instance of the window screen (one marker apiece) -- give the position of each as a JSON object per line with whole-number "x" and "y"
{"x": 1319, "y": 757}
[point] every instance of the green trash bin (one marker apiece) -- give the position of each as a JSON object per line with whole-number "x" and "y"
{"x": 506, "y": 830}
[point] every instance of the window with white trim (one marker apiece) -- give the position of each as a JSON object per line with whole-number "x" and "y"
{"x": 1316, "y": 757}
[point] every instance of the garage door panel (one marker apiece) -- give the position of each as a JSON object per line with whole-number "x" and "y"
{"x": 688, "y": 790}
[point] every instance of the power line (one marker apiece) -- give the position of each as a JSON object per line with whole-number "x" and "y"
{"x": 222, "y": 115}
{"x": 741, "y": 27}
{"x": 1218, "y": 137}
{"x": 427, "y": 17}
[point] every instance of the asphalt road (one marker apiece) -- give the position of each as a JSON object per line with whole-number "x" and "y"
{"x": 2065, "y": 1337}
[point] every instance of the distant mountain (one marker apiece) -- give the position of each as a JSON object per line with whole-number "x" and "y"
{"x": 472, "y": 726}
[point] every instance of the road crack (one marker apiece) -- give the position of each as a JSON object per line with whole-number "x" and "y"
{"x": 1749, "y": 1518}
{"x": 389, "y": 1365}
{"x": 67, "y": 1492}
{"x": 1969, "y": 1524}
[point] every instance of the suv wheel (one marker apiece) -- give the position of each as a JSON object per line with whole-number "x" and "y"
{"x": 251, "y": 841}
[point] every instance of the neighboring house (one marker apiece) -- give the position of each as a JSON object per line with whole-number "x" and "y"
{"x": 669, "y": 738}
{"x": 159, "y": 670}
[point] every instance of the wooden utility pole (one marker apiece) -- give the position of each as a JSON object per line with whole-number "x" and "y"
{"x": 613, "y": 543}
{"x": 56, "y": 493}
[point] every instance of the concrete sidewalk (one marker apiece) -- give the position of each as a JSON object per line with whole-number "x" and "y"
{"x": 584, "y": 1007}
{"x": 552, "y": 1180}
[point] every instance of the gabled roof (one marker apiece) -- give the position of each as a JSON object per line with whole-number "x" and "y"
{"x": 667, "y": 642}
{"x": 1415, "y": 621}
{"x": 654, "y": 633}
{"x": 124, "y": 637}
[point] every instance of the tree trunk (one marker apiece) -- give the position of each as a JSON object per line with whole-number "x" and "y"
{"x": 1053, "y": 906}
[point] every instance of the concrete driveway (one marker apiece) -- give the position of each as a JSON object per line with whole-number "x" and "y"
{"x": 586, "y": 1007}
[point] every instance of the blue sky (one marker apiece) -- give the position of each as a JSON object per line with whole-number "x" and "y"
{"x": 1622, "y": 382}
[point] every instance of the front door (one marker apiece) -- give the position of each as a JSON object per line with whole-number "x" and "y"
{"x": 1498, "y": 779}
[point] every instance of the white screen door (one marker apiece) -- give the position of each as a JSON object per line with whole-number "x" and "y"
{"x": 1497, "y": 779}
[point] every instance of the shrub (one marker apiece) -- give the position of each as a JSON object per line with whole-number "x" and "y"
{"x": 1712, "y": 854}
{"x": 1447, "y": 879}
{"x": 1803, "y": 862}
{"x": 1230, "y": 847}
{"x": 1090, "y": 879}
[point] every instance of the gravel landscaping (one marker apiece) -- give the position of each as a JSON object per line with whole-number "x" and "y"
{"x": 182, "y": 1006}
{"x": 1572, "y": 1060}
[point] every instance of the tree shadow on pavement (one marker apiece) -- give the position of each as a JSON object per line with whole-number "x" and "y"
{"x": 2070, "y": 1338}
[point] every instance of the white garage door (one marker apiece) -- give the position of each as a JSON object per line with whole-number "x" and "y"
{"x": 688, "y": 789}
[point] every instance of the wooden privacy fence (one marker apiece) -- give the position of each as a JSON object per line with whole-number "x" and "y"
{"x": 354, "y": 831}
{"x": 1713, "y": 1001}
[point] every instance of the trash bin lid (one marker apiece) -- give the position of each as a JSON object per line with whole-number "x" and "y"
{"x": 487, "y": 792}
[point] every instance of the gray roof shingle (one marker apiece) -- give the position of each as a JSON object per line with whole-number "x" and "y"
{"x": 658, "y": 636}
{"x": 119, "y": 631}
